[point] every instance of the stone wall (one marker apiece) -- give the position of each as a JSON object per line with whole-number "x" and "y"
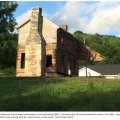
{"x": 24, "y": 32}
{"x": 20, "y": 71}
{"x": 49, "y": 31}
{"x": 68, "y": 49}
{"x": 51, "y": 50}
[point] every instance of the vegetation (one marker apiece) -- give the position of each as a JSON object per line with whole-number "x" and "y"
{"x": 8, "y": 39}
{"x": 54, "y": 94}
{"x": 106, "y": 45}
{"x": 7, "y": 72}
{"x": 59, "y": 94}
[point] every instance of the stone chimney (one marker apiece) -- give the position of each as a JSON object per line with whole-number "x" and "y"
{"x": 64, "y": 27}
{"x": 35, "y": 47}
{"x": 35, "y": 26}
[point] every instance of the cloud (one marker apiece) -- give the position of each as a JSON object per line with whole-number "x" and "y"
{"x": 22, "y": 18}
{"x": 91, "y": 17}
{"x": 70, "y": 14}
{"x": 105, "y": 19}
{"x": 26, "y": 16}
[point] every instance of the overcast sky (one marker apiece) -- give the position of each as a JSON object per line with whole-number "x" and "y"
{"x": 90, "y": 17}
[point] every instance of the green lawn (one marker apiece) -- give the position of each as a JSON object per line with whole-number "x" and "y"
{"x": 59, "y": 94}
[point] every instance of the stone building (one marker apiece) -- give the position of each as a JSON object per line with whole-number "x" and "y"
{"x": 45, "y": 49}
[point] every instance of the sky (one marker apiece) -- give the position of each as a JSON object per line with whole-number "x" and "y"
{"x": 100, "y": 17}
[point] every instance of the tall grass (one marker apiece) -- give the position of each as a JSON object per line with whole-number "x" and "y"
{"x": 59, "y": 94}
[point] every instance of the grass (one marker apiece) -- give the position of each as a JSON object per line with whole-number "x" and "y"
{"x": 7, "y": 72}
{"x": 59, "y": 94}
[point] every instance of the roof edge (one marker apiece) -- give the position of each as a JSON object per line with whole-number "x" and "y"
{"x": 23, "y": 24}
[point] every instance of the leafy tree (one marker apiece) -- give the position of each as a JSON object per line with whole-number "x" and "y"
{"x": 8, "y": 39}
{"x": 108, "y": 46}
{"x": 7, "y": 21}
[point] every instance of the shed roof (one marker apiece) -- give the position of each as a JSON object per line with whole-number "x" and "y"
{"x": 111, "y": 69}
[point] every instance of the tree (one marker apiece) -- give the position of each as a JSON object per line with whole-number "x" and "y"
{"x": 108, "y": 46}
{"x": 7, "y": 21}
{"x": 7, "y": 37}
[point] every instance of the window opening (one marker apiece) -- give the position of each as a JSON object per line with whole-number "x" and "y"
{"x": 22, "y": 60}
{"x": 49, "y": 61}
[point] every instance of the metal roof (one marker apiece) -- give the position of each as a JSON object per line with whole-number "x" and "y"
{"x": 110, "y": 69}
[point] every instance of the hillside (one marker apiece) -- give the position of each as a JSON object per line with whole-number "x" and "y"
{"x": 106, "y": 45}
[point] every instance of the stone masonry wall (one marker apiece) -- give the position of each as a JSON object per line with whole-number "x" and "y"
{"x": 19, "y": 70}
{"x": 68, "y": 50}
{"x": 51, "y": 50}
{"x": 24, "y": 32}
